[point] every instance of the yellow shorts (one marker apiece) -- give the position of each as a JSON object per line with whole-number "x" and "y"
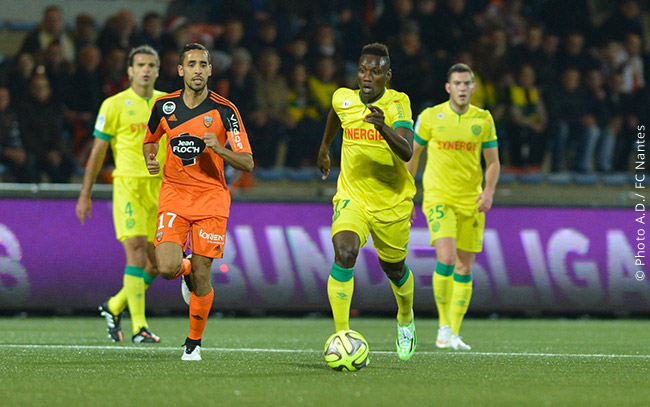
{"x": 464, "y": 225}
{"x": 135, "y": 206}
{"x": 389, "y": 228}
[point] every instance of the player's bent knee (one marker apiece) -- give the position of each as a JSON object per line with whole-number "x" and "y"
{"x": 347, "y": 257}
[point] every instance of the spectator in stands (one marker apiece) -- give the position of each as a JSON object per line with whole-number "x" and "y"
{"x": 526, "y": 133}
{"x": 574, "y": 53}
{"x": 20, "y": 74}
{"x": 296, "y": 52}
{"x": 83, "y": 102}
{"x": 58, "y": 71}
{"x": 396, "y": 12}
{"x": 322, "y": 85}
{"x": 566, "y": 106}
{"x": 266, "y": 37}
{"x": 306, "y": 113}
{"x": 118, "y": 32}
{"x": 151, "y": 32}
{"x": 633, "y": 67}
{"x": 85, "y": 30}
{"x": 41, "y": 127}
{"x": 626, "y": 19}
{"x": 114, "y": 72}
{"x": 232, "y": 36}
{"x": 455, "y": 26}
{"x": 324, "y": 44}
{"x": 20, "y": 164}
{"x": 414, "y": 64}
{"x": 50, "y": 29}
{"x": 169, "y": 81}
{"x": 599, "y": 141}
{"x": 547, "y": 73}
{"x": 238, "y": 83}
{"x": 271, "y": 117}
{"x": 530, "y": 52}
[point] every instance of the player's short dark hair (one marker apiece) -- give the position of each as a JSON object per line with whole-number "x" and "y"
{"x": 191, "y": 47}
{"x": 378, "y": 49}
{"x": 143, "y": 49}
{"x": 459, "y": 68}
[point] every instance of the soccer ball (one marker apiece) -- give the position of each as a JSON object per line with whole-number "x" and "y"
{"x": 347, "y": 351}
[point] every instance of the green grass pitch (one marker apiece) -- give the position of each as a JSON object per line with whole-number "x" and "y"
{"x": 278, "y": 362}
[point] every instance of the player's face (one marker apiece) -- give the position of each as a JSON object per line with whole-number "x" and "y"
{"x": 195, "y": 70}
{"x": 144, "y": 70}
{"x": 460, "y": 88}
{"x": 372, "y": 76}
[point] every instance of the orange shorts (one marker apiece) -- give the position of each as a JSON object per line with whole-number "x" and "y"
{"x": 207, "y": 236}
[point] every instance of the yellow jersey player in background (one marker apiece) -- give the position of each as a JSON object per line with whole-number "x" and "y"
{"x": 456, "y": 133}
{"x": 122, "y": 122}
{"x": 374, "y": 190}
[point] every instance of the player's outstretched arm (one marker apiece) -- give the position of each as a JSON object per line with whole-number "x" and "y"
{"x": 238, "y": 160}
{"x": 149, "y": 150}
{"x": 331, "y": 128}
{"x": 95, "y": 161}
{"x": 400, "y": 140}
{"x": 492, "y": 170}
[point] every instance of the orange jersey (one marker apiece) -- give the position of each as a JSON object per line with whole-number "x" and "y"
{"x": 194, "y": 185}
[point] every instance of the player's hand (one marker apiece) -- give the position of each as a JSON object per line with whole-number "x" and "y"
{"x": 324, "y": 162}
{"x": 84, "y": 208}
{"x": 376, "y": 117}
{"x": 485, "y": 199}
{"x": 212, "y": 141}
{"x": 152, "y": 164}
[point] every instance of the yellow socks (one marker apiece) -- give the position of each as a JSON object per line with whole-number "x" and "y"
{"x": 462, "y": 293}
{"x": 403, "y": 291}
{"x": 442, "y": 290}
{"x": 117, "y": 303}
{"x": 134, "y": 287}
{"x": 340, "y": 286}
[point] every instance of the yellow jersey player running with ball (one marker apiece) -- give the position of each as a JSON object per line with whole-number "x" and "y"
{"x": 455, "y": 134}
{"x": 374, "y": 190}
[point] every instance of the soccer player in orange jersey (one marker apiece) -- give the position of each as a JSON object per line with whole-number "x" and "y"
{"x": 194, "y": 199}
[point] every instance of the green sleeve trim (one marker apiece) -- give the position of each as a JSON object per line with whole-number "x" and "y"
{"x": 420, "y": 140}
{"x": 101, "y": 135}
{"x": 403, "y": 123}
{"x": 134, "y": 271}
{"x": 341, "y": 274}
{"x": 463, "y": 279}
{"x": 489, "y": 144}
{"x": 444, "y": 270}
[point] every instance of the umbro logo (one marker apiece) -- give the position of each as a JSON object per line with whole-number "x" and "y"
{"x": 172, "y": 118}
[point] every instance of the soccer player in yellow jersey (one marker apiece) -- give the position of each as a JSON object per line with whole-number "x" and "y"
{"x": 122, "y": 122}
{"x": 374, "y": 191}
{"x": 456, "y": 133}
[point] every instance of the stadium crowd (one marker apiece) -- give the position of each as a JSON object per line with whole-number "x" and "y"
{"x": 566, "y": 81}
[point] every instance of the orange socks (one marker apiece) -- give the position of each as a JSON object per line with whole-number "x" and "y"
{"x": 186, "y": 267}
{"x": 199, "y": 311}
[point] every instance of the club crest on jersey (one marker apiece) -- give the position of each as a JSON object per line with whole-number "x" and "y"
{"x": 169, "y": 107}
{"x": 187, "y": 148}
{"x": 476, "y": 129}
{"x": 207, "y": 121}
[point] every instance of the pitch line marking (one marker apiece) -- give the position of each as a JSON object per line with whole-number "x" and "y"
{"x": 263, "y": 350}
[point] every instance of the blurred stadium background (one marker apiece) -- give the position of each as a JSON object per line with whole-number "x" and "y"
{"x": 563, "y": 237}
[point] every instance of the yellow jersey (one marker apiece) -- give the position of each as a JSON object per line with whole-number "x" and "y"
{"x": 122, "y": 120}
{"x": 453, "y": 174}
{"x": 371, "y": 173}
